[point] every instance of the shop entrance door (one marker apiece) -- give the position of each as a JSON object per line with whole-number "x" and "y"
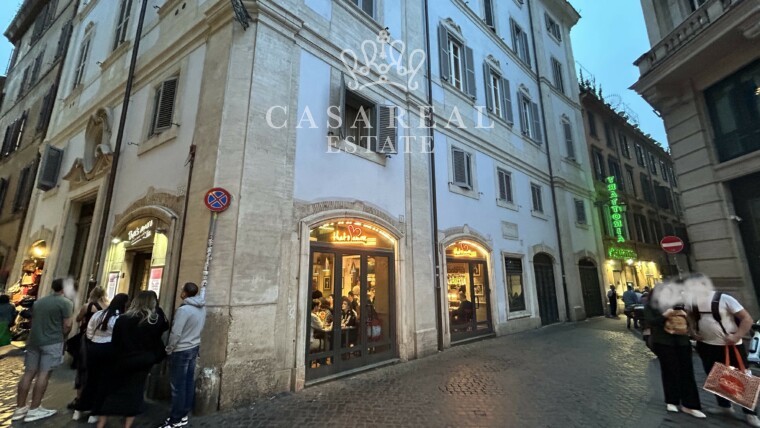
{"x": 352, "y": 319}
{"x": 546, "y": 288}
{"x": 468, "y": 299}
{"x": 140, "y": 274}
{"x": 746, "y": 196}
{"x": 592, "y": 294}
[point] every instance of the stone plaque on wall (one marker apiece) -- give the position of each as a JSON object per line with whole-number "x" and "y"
{"x": 509, "y": 230}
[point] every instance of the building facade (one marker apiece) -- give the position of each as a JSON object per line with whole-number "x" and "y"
{"x": 315, "y": 115}
{"x": 637, "y": 197}
{"x": 39, "y": 34}
{"x": 702, "y": 74}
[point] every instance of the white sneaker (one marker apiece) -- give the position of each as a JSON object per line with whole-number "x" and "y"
{"x": 92, "y": 419}
{"x": 672, "y": 408}
{"x": 20, "y": 413}
{"x": 77, "y": 415}
{"x": 753, "y": 420}
{"x": 696, "y": 413}
{"x": 38, "y": 413}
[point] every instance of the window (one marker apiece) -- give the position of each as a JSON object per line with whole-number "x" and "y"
{"x": 655, "y": 229}
{"x": 641, "y": 228}
{"x": 673, "y": 177}
{"x": 604, "y": 217}
{"x": 640, "y": 155}
{"x": 568, "y": 131}
{"x": 557, "y": 74}
{"x": 591, "y": 124}
{"x": 505, "y": 185}
{"x": 3, "y": 191}
{"x": 552, "y": 27}
{"x": 462, "y": 168}
{"x": 515, "y": 289}
{"x": 163, "y": 107}
{"x": 538, "y": 201}
{"x": 13, "y": 136}
{"x": 46, "y": 110}
{"x": 359, "y": 118}
{"x": 457, "y": 64}
{"x": 498, "y": 97}
{"x": 615, "y": 172}
{"x": 63, "y": 40}
{"x": 662, "y": 195}
{"x": 22, "y": 189}
{"x": 366, "y": 124}
{"x": 36, "y": 68}
{"x": 530, "y": 122}
{"x": 630, "y": 180}
{"x": 609, "y": 134}
{"x": 489, "y": 14}
{"x": 520, "y": 43}
{"x": 646, "y": 188}
{"x": 695, "y": 4}
{"x": 599, "y": 171}
{"x": 123, "y": 23}
{"x": 84, "y": 51}
{"x": 664, "y": 171}
{"x": 367, "y": 6}
{"x": 652, "y": 164}
{"x": 624, "y": 147}
{"x": 580, "y": 212}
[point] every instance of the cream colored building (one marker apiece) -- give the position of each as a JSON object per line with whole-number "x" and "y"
{"x": 702, "y": 75}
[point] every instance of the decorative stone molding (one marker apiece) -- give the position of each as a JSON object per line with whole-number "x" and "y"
{"x": 586, "y": 255}
{"x": 42, "y": 234}
{"x": 77, "y": 176}
{"x": 493, "y": 62}
{"x": 453, "y": 234}
{"x": 161, "y": 205}
{"x": 541, "y": 248}
{"x": 97, "y": 137}
{"x": 315, "y": 213}
{"x": 453, "y": 27}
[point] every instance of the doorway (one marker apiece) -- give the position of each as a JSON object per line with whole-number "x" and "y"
{"x": 746, "y": 198}
{"x": 468, "y": 299}
{"x": 543, "y": 266}
{"x": 140, "y": 274}
{"x": 592, "y": 293}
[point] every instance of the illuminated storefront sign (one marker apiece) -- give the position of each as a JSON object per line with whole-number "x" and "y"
{"x": 616, "y": 211}
{"x": 462, "y": 249}
{"x": 622, "y": 253}
{"x": 353, "y": 235}
{"x": 139, "y": 233}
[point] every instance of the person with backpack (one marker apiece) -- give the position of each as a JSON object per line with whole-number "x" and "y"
{"x": 721, "y": 321}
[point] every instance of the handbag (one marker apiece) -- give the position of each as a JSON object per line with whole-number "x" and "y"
{"x": 733, "y": 384}
{"x": 677, "y": 324}
{"x": 374, "y": 329}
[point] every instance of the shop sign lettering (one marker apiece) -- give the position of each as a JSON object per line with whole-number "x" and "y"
{"x": 463, "y": 250}
{"x": 353, "y": 235}
{"x": 140, "y": 233}
{"x": 616, "y": 211}
{"x": 622, "y": 253}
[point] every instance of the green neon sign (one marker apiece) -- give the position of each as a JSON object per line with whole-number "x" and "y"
{"x": 616, "y": 211}
{"x": 622, "y": 253}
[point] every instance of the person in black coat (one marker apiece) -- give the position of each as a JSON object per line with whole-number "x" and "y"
{"x": 138, "y": 345}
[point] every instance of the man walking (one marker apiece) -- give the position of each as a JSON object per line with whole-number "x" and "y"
{"x": 629, "y": 299}
{"x": 44, "y": 351}
{"x": 612, "y": 298}
{"x": 184, "y": 342}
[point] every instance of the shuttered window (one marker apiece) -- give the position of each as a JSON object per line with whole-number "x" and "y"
{"x": 624, "y": 147}
{"x": 457, "y": 62}
{"x": 580, "y": 212}
{"x": 591, "y": 124}
{"x": 569, "y": 145}
{"x": 46, "y": 110}
{"x": 505, "y": 185}
{"x": 84, "y": 52}
{"x": 462, "y": 168}
{"x": 530, "y": 121}
{"x": 552, "y": 27}
{"x": 367, "y": 6}
{"x": 498, "y": 97}
{"x": 520, "y": 43}
{"x": 489, "y": 14}
{"x": 163, "y": 109}
{"x": 559, "y": 82}
{"x": 386, "y": 130}
{"x": 36, "y": 68}
{"x": 63, "y": 40}
{"x": 22, "y": 86}
{"x": 609, "y": 134}
{"x": 123, "y": 23}
{"x": 3, "y": 192}
{"x": 22, "y": 189}
{"x": 640, "y": 155}
{"x": 538, "y": 201}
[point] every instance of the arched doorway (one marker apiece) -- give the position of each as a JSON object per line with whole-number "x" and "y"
{"x": 351, "y": 265}
{"x": 468, "y": 291}
{"x": 592, "y": 295}
{"x": 543, "y": 266}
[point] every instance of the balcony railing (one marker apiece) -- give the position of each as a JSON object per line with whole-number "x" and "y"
{"x": 694, "y": 24}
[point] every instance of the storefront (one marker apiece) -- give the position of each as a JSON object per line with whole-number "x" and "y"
{"x": 352, "y": 319}
{"x": 31, "y": 272}
{"x": 136, "y": 259}
{"x": 468, "y": 291}
{"x": 626, "y": 267}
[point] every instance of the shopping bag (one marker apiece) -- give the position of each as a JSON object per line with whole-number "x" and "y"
{"x": 732, "y": 383}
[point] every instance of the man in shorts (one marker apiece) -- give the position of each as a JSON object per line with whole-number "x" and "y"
{"x": 51, "y": 323}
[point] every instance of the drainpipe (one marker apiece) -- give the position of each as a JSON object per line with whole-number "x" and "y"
{"x": 433, "y": 193}
{"x": 117, "y": 147}
{"x": 191, "y": 163}
{"x": 551, "y": 172}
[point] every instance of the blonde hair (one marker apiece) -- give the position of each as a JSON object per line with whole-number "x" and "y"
{"x": 144, "y": 307}
{"x": 96, "y": 294}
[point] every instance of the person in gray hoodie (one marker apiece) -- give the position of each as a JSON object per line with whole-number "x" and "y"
{"x": 183, "y": 346}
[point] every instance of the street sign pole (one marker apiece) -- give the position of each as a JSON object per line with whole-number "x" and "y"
{"x": 209, "y": 248}
{"x": 216, "y": 200}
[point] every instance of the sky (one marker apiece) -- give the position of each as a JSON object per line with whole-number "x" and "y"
{"x": 606, "y": 41}
{"x": 608, "y": 38}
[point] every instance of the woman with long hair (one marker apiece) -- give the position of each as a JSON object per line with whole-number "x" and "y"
{"x": 99, "y": 354}
{"x": 76, "y": 345}
{"x": 137, "y": 345}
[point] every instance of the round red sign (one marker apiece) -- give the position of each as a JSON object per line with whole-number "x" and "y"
{"x": 217, "y": 199}
{"x": 672, "y": 244}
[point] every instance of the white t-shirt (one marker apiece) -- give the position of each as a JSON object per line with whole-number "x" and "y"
{"x": 709, "y": 328}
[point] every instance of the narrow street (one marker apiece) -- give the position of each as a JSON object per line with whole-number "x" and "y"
{"x": 589, "y": 374}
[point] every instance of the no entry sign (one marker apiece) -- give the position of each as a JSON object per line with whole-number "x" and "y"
{"x": 671, "y": 244}
{"x": 217, "y": 199}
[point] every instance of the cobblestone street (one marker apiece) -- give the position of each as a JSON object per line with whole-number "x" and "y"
{"x": 590, "y": 374}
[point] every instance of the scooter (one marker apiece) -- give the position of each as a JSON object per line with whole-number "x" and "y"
{"x": 20, "y": 331}
{"x": 754, "y": 345}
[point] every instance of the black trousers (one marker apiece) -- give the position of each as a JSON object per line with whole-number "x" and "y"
{"x": 677, "y": 374}
{"x": 613, "y": 307}
{"x": 711, "y": 354}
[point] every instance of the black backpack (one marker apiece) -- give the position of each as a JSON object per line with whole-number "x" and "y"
{"x": 715, "y": 310}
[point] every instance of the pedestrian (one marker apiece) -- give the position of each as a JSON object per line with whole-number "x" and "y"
{"x": 716, "y": 315}
{"x": 629, "y": 300}
{"x": 184, "y": 344}
{"x": 7, "y": 319}
{"x": 44, "y": 351}
{"x": 138, "y": 346}
{"x": 76, "y": 345}
{"x": 670, "y": 342}
{"x": 100, "y": 353}
{"x": 612, "y": 298}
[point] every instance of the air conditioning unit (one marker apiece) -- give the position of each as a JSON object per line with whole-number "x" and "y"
{"x": 50, "y": 168}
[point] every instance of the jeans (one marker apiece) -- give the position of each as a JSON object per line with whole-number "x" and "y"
{"x": 182, "y": 382}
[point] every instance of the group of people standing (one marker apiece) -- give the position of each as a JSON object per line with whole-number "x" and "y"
{"x": 118, "y": 344}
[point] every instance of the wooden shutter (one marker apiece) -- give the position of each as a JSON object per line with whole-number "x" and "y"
{"x": 47, "y": 108}
{"x": 386, "y": 130}
{"x": 21, "y": 190}
{"x": 515, "y": 43}
{"x": 36, "y": 68}
{"x": 524, "y": 36}
{"x": 469, "y": 65}
{"x": 569, "y": 139}
{"x": 49, "y": 168}
{"x": 489, "y": 91}
{"x": 460, "y": 163}
{"x": 3, "y": 191}
{"x": 164, "y": 108}
{"x": 488, "y": 4}
{"x": 18, "y": 131}
{"x": 580, "y": 211}
{"x": 63, "y": 41}
{"x": 523, "y": 114}
{"x": 505, "y": 185}
{"x": 443, "y": 49}
{"x": 537, "y": 135}
{"x": 507, "y": 100}
{"x": 7, "y": 140}
{"x": 367, "y": 7}
{"x": 342, "y": 108}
